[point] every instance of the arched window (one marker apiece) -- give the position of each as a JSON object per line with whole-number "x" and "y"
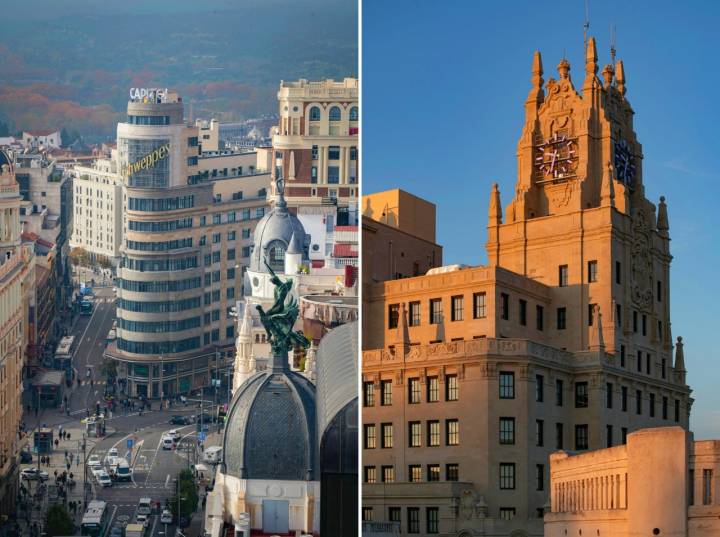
{"x": 335, "y": 113}
{"x": 276, "y": 255}
{"x": 315, "y": 114}
{"x": 354, "y": 113}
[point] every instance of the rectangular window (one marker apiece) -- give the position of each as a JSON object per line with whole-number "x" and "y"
{"x": 559, "y": 436}
{"x": 479, "y": 311}
{"x": 707, "y": 487}
{"x": 504, "y": 306}
{"x": 370, "y": 439}
{"x": 539, "y": 433}
{"x": 394, "y": 514}
{"x": 591, "y": 314}
{"x": 452, "y": 432}
{"x": 231, "y": 254}
{"x": 457, "y": 308}
{"x": 659, "y": 291}
{"x": 386, "y": 392}
{"x": 507, "y": 431}
{"x": 623, "y": 398}
{"x": 644, "y": 325}
{"x": 639, "y": 361}
{"x": 436, "y": 311}
{"x": 691, "y": 487}
{"x": 663, "y": 365}
{"x": 659, "y": 330}
{"x": 677, "y": 410}
{"x": 581, "y": 437}
{"x": 414, "y": 318}
{"x": 414, "y": 390}
{"x": 539, "y": 314}
{"x": 432, "y": 516}
{"x": 387, "y": 435}
{"x": 539, "y": 388}
{"x": 563, "y": 275}
{"x": 652, "y": 405}
{"x": 433, "y": 472}
{"x": 609, "y": 435}
{"x": 609, "y": 395}
{"x": 539, "y": 477}
{"x": 507, "y": 476}
{"x": 648, "y": 362}
{"x": 618, "y": 314}
{"x": 507, "y": 513}
{"x": 622, "y": 355}
{"x": 635, "y": 321}
{"x": 592, "y": 271}
{"x": 388, "y": 474}
{"x": 230, "y": 292}
{"x": 618, "y": 272}
{"x": 561, "y": 318}
{"x": 523, "y": 312}
{"x": 231, "y": 235}
{"x": 451, "y": 388}
{"x": 367, "y": 513}
{"x": 433, "y": 390}
{"x": 638, "y": 402}
{"x": 507, "y": 385}
{"x": 231, "y": 273}
{"x": 370, "y": 474}
{"x": 559, "y": 392}
{"x": 415, "y": 473}
{"x": 393, "y": 315}
{"x": 413, "y": 519}
{"x": 581, "y": 395}
{"x": 623, "y": 435}
{"x": 415, "y": 434}
{"x": 433, "y": 432}
{"x": 452, "y": 472}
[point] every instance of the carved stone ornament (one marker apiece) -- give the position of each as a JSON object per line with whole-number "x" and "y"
{"x": 468, "y": 504}
{"x": 641, "y": 264}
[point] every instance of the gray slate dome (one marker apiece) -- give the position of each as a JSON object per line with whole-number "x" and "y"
{"x": 274, "y": 233}
{"x": 271, "y": 430}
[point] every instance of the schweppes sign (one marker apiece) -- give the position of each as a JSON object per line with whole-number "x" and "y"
{"x": 148, "y": 161}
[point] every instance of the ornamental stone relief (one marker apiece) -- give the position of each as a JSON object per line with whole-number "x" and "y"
{"x": 641, "y": 265}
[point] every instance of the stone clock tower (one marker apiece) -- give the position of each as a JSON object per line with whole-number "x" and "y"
{"x": 579, "y": 221}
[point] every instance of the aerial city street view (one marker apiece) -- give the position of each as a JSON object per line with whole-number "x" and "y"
{"x": 178, "y": 291}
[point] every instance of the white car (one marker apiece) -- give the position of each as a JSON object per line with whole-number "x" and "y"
{"x": 168, "y": 442}
{"x": 142, "y": 519}
{"x": 104, "y": 480}
{"x": 112, "y": 456}
{"x": 174, "y": 434}
{"x": 97, "y": 469}
{"x": 93, "y": 460}
{"x": 33, "y": 473}
{"x": 166, "y": 517}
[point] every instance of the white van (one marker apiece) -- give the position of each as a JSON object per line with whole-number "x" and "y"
{"x": 168, "y": 442}
{"x": 144, "y": 506}
{"x": 213, "y": 454}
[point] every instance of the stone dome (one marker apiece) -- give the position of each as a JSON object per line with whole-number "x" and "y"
{"x": 271, "y": 429}
{"x": 274, "y": 234}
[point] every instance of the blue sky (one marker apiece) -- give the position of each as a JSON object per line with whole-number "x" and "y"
{"x": 443, "y": 87}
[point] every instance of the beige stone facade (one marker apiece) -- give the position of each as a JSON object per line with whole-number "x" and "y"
{"x": 660, "y": 483}
{"x": 562, "y": 342}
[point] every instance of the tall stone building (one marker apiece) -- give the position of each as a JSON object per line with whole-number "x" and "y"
{"x": 473, "y": 376}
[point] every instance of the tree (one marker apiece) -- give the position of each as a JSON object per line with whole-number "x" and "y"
{"x": 58, "y": 521}
{"x": 188, "y": 495}
{"x": 109, "y": 368}
{"x": 79, "y": 256}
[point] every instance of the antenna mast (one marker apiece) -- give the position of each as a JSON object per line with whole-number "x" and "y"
{"x": 586, "y": 26}
{"x": 612, "y": 43}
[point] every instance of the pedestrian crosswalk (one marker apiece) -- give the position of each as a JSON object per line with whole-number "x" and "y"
{"x": 94, "y": 383}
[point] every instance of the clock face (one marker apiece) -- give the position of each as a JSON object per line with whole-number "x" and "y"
{"x": 556, "y": 158}
{"x": 624, "y": 163}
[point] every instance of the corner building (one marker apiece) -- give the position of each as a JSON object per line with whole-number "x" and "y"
{"x": 472, "y": 377}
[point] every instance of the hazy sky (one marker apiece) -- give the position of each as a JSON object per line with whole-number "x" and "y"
{"x": 443, "y": 93}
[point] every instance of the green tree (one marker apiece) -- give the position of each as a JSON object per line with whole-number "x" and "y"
{"x": 58, "y": 521}
{"x": 188, "y": 495}
{"x": 109, "y": 368}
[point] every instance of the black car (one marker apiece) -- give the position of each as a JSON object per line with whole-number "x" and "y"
{"x": 205, "y": 417}
{"x": 25, "y": 457}
{"x": 180, "y": 420}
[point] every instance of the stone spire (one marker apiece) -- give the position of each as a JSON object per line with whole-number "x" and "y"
{"x": 608, "y": 73}
{"x": 663, "y": 225}
{"x": 680, "y": 360}
{"x": 564, "y": 69}
{"x": 620, "y": 77}
{"x": 591, "y": 66}
{"x": 536, "y": 95}
{"x": 495, "y": 210}
{"x": 607, "y": 189}
{"x": 244, "y": 358}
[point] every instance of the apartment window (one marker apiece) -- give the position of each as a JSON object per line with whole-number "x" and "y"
{"x": 592, "y": 271}
{"x": 664, "y": 408}
{"x": 609, "y": 435}
{"x": 393, "y": 315}
{"x": 231, "y": 235}
{"x": 539, "y": 388}
{"x": 415, "y": 473}
{"x": 433, "y": 432}
{"x": 414, "y": 390}
{"x": 368, "y": 393}
{"x": 561, "y": 318}
{"x": 507, "y": 513}
{"x": 504, "y": 306}
{"x": 216, "y": 236}
{"x": 623, "y": 435}
{"x": 245, "y": 233}
{"x": 315, "y": 114}
{"x": 507, "y": 476}
{"x": 539, "y": 477}
{"x": 370, "y": 474}
{"x": 523, "y": 312}
{"x": 387, "y": 435}
{"x": 648, "y": 362}
{"x": 635, "y": 321}
{"x": 457, "y": 308}
{"x": 367, "y": 513}
{"x": 432, "y": 516}
{"x": 451, "y": 388}
{"x": 563, "y": 275}
{"x": 659, "y": 291}
{"x": 436, "y": 311}
{"x": 452, "y": 432}
{"x": 559, "y": 392}
{"x": 677, "y": 410}
{"x": 479, "y": 310}
{"x": 622, "y": 355}
{"x": 618, "y": 315}
{"x": 415, "y": 434}
{"x": 652, "y": 405}
{"x": 581, "y": 437}
{"x": 559, "y": 436}
{"x": 591, "y": 314}
{"x": 388, "y": 474}
{"x": 433, "y": 472}
{"x": 691, "y": 487}
{"x": 433, "y": 390}
{"x": 609, "y": 395}
{"x": 638, "y": 402}
{"x": 539, "y": 314}
{"x": 394, "y": 514}
{"x": 370, "y": 440}
{"x": 414, "y": 314}
{"x": 507, "y": 431}
{"x": 507, "y": 385}
{"x": 707, "y": 487}
{"x": 386, "y": 392}
{"x": 539, "y": 433}
{"x": 644, "y": 325}
{"x": 452, "y": 472}
{"x": 334, "y": 152}
{"x": 663, "y": 365}
{"x": 314, "y": 153}
{"x": 659, "y": 330}
{"x": 639, "y": 361}
{"x": 623, "y": 398}
{"x": 618, "y": 272}
{"x": 231, "y": 274}
{"x": 581, "y": 395}
{"x": 413, "y": 519}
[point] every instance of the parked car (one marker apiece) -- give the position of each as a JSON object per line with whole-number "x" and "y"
{"x": 31, "y": 474}
{"x": 206, "y": 418}
{"x": 180, "y": 420}
{"x": 174, "y": 434}
{"x": 166, "y": 517}
{"x": 93, "y": 460}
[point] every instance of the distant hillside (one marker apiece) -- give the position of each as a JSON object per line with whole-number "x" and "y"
{"x": 73, "y": 66}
